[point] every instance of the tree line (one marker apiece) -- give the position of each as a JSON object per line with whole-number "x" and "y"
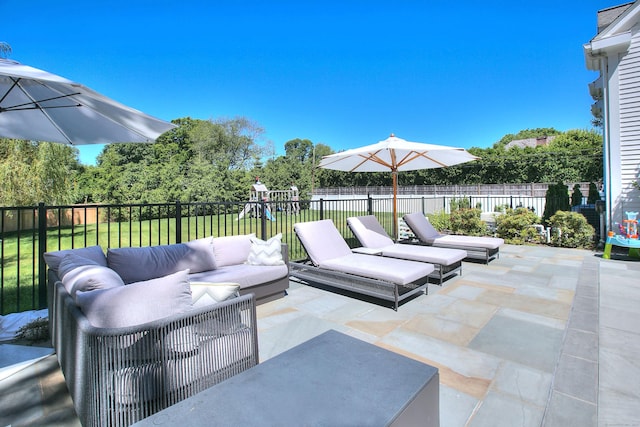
{"x": 218, "y": 160}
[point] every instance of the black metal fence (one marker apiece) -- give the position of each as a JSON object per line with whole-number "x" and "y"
{"x": 26, "y": 233}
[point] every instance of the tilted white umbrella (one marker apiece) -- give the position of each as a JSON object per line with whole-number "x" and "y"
{"x": 40, "y": 106}
{"x": 393, "y": 155}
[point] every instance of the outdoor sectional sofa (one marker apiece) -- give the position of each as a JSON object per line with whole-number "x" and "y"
{"x": 140, "y": 329}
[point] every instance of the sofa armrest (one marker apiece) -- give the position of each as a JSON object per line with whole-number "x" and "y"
{"x": 117, "y": 376}
{"x": 285, "y": 254}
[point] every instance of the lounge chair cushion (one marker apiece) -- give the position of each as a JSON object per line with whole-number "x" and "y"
{"x": 322, "y": 240}
{"x": 457, "y": 241}
{"x": 429, "y": 254}
{"x": 94, "y": 253}
{"x": 232, "y": 250}
{"x": 421, "y": 226}
{"x": 137, "y": 303}
{"x": 423, "y": 229}
{"x": 369, "y": 231}
{"x": 159, "y": 261}
{"x": 392, "y": 270}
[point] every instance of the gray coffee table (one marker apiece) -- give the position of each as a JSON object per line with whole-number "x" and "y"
{"x": 330, "y": 380}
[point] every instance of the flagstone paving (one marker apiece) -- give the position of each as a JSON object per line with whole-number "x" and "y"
{"x": 539, "y": 337}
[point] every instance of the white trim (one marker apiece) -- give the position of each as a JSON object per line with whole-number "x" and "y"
{"x": 617, "y": 42}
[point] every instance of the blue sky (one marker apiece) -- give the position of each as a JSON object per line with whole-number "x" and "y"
{"x": 342, "y": 73}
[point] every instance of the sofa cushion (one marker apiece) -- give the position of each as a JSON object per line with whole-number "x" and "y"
{"x": 243, "y": 274}
{"x": 83, "y": 274}
{"x": 137, "y": 303}
{"x": 150, "y": 262}
{"x": 232, "y": 250}
{"x": 266, "y": 252}
{"x": 94, "y": 253}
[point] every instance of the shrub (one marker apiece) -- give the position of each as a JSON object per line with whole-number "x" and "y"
{"x": 594, "y": 195}
{"x": 576, "y": 196}
{"x": 463, "y": 203}
{"x": 467, "y": 221}
{"x": 34, "y": 331}
{"x": 571, "y": 230}
{"x": 516, "y": 226}
{"x": 556, "y": 199}
{"x": 440, "y": 220}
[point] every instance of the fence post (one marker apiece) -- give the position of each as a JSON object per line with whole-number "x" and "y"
{"x": 263, "y": 220}
{"x": 42, "y": 248}
{"x": 321, "y": 208}
{"x": 178, "y": 222}
{"x": 369, "y": 204}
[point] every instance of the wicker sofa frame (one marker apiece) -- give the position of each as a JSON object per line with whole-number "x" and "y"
{"x": 118, "y": 376}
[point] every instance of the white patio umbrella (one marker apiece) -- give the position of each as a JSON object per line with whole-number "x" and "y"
{"x": 393, "y": 155}
{"x": 40, "y": 106}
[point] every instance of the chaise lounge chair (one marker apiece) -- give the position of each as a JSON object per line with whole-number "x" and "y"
{"x": 375, "y": 240}
{"x": 330, "y": 262}
{"x": 484, "y": 248}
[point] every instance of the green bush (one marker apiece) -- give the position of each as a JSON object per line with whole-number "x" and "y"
{"x": 467, "y": 221}
{"x": 556, "y": 199}
{"x": 440, "y": 220}
{"x": 516, "y": 226}
{"x": 594, "y": 195}
{"x": 462, "y": 203}
{"x": 571, "y": 230}
{"x": 576, "y": 196}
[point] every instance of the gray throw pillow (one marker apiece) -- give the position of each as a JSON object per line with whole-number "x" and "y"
{"x": 150, "y": 262}
{"x": 137, "y": 303}
{"x": 82, "y": 274}
{"x": 94, "y": 253}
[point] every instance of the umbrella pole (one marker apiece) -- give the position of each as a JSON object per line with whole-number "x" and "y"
{"x": 394, "y": 175}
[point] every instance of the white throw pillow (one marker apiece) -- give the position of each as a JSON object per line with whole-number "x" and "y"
{"x": 266, "y": 252}
{"x": 231, "y": 250}
{"x": 208, "y": 293}
{"x": 137, "y": 303}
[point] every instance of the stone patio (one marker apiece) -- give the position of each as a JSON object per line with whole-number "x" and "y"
{"x": 539, "y": 337}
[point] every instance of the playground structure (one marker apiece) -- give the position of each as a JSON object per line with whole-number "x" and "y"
{"x": 628, "y": 237}
{"x": 261, "y": 198}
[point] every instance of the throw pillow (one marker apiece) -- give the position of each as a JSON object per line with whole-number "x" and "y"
{"x": 231, "y": 250}
{"x": 94, "y": 253}
{"x": 207, "y": 293}
{"x": 266, "y": 252}
{"x": 150, "y": 262}
{"x": 82, "y": 274}
{"x": 137, "y": 303}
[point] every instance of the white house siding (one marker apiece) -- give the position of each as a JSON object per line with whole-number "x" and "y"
{"x": 629, "y": 105}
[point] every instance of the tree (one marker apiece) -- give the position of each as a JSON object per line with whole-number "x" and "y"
{"x": 556, "y": 199}
{"x": 33, "y": 172}
{"x": 201, "y": 160}
{"x": 594, "y": 195}
{"x": 576, "y": 196}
